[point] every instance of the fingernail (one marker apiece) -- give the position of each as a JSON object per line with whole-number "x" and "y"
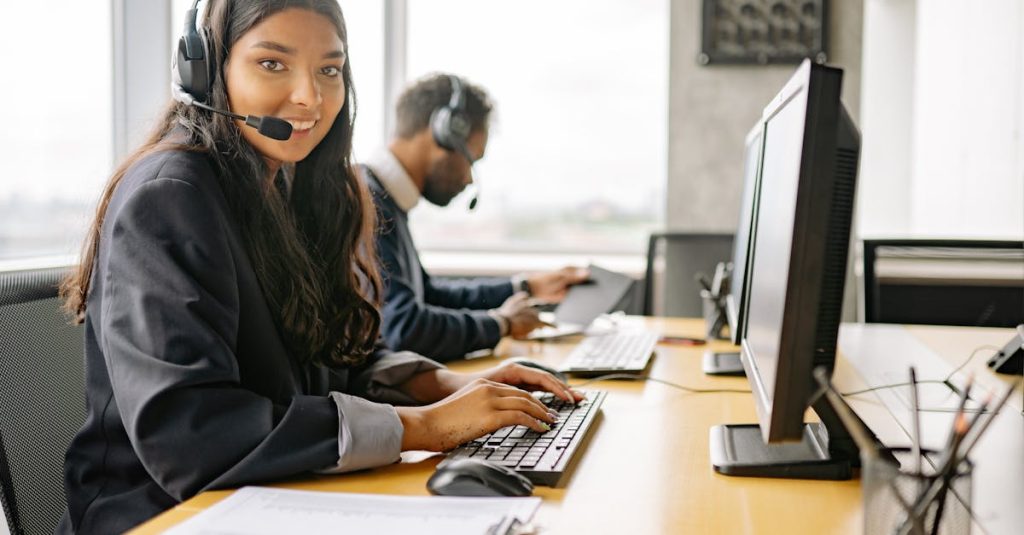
{"x": 544, "y": 426}
{"x": 553, "y": 415}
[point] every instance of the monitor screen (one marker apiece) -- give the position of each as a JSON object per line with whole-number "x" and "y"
{"x": 784, "y": 133}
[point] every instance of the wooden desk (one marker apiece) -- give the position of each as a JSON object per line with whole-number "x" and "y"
{"x": 646, "y": 468}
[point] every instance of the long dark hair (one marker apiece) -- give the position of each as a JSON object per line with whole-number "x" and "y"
{"x": 313, "y": 253}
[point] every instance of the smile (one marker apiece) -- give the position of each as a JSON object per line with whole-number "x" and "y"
{"x": 300, "y": 126}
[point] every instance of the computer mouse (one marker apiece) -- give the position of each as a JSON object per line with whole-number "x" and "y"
{"x": 473, "y": 477}
{"x": 538, "y": 366}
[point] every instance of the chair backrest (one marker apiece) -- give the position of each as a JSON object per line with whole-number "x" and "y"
{"x": 944, "y": 282}
{"x": 42, "y": 398}
{"x": 673, "y": 259}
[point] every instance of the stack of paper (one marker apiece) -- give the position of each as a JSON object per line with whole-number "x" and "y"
{"x": 259, "y": 510}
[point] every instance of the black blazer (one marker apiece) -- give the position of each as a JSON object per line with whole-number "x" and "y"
{"x": 189, "y": 386}
{"x": 442, "y": 320}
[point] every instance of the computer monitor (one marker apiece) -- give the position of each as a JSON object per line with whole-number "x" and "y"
{"x": 735, "y": 309}
{"x": 796, "y": 270}
{"x": 728, "y": 362}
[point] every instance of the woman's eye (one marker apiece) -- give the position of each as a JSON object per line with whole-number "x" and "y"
{"x": 331, "y": 71}
{"x": 271, "y": 65}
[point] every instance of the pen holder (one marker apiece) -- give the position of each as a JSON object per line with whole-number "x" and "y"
{"x": 714, "y": 315}
{"x": 890, "y": 489}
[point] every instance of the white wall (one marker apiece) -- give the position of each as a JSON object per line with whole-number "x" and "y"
{"x": 711, "y": 109}
{"x": 943, "y": 116}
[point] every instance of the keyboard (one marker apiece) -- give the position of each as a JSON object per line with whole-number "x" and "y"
{"x": 618, "y": 352}
{"x": 542, "y": 457}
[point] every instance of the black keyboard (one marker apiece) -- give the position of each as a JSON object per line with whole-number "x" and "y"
{"x": 542, "y": 457}
{"x": 619, "y": 352}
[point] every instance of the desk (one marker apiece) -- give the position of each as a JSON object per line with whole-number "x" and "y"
{"x": 667, "y": 485}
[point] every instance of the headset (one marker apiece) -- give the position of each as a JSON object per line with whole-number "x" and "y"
{"x": 449, "y": 124}
{"x": 192, "y": 74}
{"x": 450, "y": 127}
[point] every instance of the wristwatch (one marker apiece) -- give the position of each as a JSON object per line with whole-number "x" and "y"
{"x": 521, "y": 284}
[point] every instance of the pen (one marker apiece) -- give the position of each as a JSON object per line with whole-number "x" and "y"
{"x": 681, "y": 340}
{"x": 949, "y": 467}
{"x": 916, "y": 422}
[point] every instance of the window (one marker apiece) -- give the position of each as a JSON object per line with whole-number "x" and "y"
{"x": 365, "y": 24}
{"x": 577, "y": 154}
{"x": 57, "y": 146}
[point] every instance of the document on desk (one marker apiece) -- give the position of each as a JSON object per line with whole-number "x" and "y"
{"x": 259, "y": 510}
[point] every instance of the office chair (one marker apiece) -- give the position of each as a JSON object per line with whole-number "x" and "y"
{"x": 42, "y": 398}
{"x": 944, "y": 282}
{"x": 673, "y": 258}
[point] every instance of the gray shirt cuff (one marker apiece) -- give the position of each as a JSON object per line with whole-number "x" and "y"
{"x": 369, "y": 434}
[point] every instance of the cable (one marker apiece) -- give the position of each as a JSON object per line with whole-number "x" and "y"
{"x": 893, "y": 385}
{"x": 973, "y": 353}
{"x": 945, "y": 381}
{"x": 632, "y": 377}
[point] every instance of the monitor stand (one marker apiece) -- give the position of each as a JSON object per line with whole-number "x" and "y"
{"x": 723, "y": 363}
{"x": 826, "y": 450}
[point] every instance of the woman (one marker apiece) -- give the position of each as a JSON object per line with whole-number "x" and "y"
{"x": 229, "y": 291}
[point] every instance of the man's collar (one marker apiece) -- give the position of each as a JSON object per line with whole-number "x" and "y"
{"x": 394, "y": 178}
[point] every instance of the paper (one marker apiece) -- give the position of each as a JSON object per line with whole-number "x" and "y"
{"x": 261, "y": 510}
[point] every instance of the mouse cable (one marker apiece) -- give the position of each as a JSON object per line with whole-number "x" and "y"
{"x": 632, "y": 377}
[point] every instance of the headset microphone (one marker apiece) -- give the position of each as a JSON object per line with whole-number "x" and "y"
{"x": 272, "y": 127}
{"x": 461, "y": 149}
{"x": 476, "y": 179}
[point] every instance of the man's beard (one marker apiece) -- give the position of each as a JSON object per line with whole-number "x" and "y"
{"x": 441, "y": 183}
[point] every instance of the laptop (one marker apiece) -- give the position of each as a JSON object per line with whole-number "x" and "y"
{"x": 584, "y": 303}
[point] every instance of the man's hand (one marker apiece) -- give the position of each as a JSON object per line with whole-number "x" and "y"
{"x": 553, "y": 285}
{"x": 521, "y": 316}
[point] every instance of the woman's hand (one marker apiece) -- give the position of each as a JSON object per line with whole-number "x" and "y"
{"x": 530, "y": 379}
{"x": 435, "y": 385}
{"x": 481, "y": 403}
{"x": 478, "y": 408}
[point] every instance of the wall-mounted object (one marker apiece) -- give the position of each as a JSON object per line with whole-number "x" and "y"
{"x": 746, "y": 32}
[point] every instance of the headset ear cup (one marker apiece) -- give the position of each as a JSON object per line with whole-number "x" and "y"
{"x": 193, "y": 70}
{"x": 207, "y": 64}
{"x": 440, "y": 128}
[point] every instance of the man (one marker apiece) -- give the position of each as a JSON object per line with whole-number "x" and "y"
{"x": 441, "y": 130}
